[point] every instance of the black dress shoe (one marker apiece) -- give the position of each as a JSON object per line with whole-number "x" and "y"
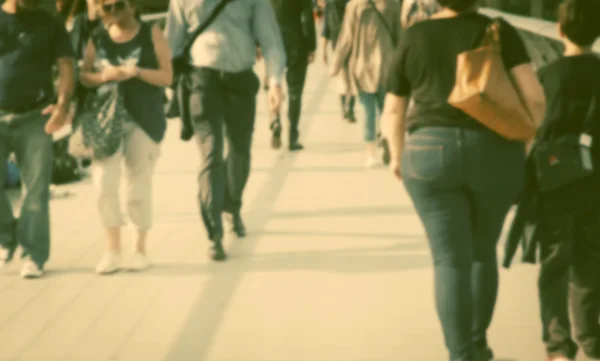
{"x": 295, "y": 146}
{"x": 217, "y": 252}
{"x": 484, "y": 354}
{"x": 238, "y": 226}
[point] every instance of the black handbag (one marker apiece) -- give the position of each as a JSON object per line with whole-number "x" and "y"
{"x": 566, "y": 160}
{"x": 176, "y": 104}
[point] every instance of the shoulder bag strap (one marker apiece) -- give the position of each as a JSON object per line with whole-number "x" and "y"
{"x": 382, "y": 18}
{"x": 213, "y": 15}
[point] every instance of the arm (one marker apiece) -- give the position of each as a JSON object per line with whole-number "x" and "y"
{"x": 66, "y": 80}
{"x": 394, "y": 112}
{"x": 267, "y": 33}
{"x": 88, "y": 77}
{"x": 343, "y": 47}
{"x": 176, "y": 28}
{"x": 163, "y": 76}
{"x": 308, "y": 25}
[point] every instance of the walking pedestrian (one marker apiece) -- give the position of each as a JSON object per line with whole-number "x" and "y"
{"x": 223, "y": 97}
{"x": 368, "y": 37}
{"x": 567, "y": 222}
{"x": 333, "y": 18}
{"x": 461, "y": 176}
{"x": 135, "y": 55}
{"x": 32, "y": 42}
{"x": 298, "y": 32}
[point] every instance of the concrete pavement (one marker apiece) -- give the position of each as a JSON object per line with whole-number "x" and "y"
{"x": 335, "y": 268}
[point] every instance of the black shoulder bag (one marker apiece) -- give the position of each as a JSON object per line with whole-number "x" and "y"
{"x": 176, "y": 106}
{"x": 566, "y": 160}
{"x": 384, "y": 22}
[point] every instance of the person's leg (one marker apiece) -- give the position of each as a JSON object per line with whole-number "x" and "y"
{"x": 369, "y": 103}
{"x": 584, "y": 285}
{"x": 495, "y": 179}
{"x": 33, "y": 150}
{"x": 207, "y": 110}
{"x": 106, "y": 176}
{"x": 296, "y": 77}
{"x": 553, "y": 286}
{"x": 431, "y": 169}
{"x": 8, "y": 241}
{"x": 274, "y": 118}
{"x": 240, "y": 114}
{"x": 141, "y": 154}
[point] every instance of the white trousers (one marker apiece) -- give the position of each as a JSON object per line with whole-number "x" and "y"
{"x": 138, "y": 156}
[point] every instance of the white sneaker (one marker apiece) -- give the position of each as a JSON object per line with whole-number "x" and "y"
{"x": 31, "y": 270}
{"x": 110, "y": 263}
{"x": 372, "y": 162}
{"x": 139, "y": 262}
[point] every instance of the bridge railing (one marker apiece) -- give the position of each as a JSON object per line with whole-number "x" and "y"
{"x": 541, "y": 37}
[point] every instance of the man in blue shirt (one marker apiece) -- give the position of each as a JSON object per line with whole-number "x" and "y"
{"x": 31, "y": 43}
{"x": 223, "y": 89}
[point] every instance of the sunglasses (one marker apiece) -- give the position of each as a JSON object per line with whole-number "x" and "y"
{"x": 114, "y": 7}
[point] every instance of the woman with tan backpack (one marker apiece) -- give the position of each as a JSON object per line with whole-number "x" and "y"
{"x": 476, "y": 102}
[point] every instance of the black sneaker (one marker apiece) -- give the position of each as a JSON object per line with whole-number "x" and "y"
{"x": 276, "y": 134}
{"x": 295, "y": 146}
{"x": 385, "y": 151}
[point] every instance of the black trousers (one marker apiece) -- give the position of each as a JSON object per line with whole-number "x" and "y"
{"x": 295, "y": 79}
{"x": 569, "y": 285}
{"x": 222, "y": 107}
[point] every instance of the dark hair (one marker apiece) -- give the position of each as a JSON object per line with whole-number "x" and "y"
{"x": 579, "y": 20}
{"x": 457, "y": 5}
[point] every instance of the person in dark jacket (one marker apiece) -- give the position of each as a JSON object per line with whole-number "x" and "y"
{"x": 567, "y": 219}
{"x": 333, "y": 18}
{"x": 297, "y": 25}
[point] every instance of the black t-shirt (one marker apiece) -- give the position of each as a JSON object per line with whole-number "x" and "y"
{"x": 30, "y": 43}
{"x": 569, "y": 85}
{"x": 424, "y": 65}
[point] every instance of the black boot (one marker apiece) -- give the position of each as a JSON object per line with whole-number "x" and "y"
{"x": 217, "y": 252}
{"x": 351, "y": 117}
{"x": 344, "y": 107}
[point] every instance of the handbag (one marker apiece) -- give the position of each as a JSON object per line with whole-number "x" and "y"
{"x": 567, "y": 159}
{"x": 100, "y": 131}
{"x": 175, "y": 106}
{"x": 485, "y": 90}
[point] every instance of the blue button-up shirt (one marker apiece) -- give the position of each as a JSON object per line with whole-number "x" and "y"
{"x": 229, "y": 43}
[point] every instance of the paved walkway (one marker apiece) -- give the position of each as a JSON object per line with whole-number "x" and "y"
{"x": 335, "y": 268}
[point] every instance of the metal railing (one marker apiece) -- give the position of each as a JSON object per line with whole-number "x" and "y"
{"x": 541, "y": 37}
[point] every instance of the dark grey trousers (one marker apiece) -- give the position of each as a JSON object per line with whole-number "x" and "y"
{"x": 222, "y": 107}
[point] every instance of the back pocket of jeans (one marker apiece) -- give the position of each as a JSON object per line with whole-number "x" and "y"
{"x": 424, "y": 162}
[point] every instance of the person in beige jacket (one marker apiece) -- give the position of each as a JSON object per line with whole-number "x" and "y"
{"x": 366, "y": 43}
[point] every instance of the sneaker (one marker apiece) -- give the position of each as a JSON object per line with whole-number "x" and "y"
{"x": 276, "y": 134}
{"x": 138, "y": 262}
{"x": 31, "y": 270}
{"x": 109, "y": 264}
{"x": 372, "y": 162}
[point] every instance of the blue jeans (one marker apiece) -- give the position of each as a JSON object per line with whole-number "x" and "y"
{"x": 373, "y": 104}
{"x": 462, "y": 183}
{"x": 24, "y": 135}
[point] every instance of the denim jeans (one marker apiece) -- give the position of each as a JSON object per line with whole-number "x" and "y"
{"x": 462, "y": 183}
{"x": 373, "y": 106}
{"x": 24, "y": 135}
